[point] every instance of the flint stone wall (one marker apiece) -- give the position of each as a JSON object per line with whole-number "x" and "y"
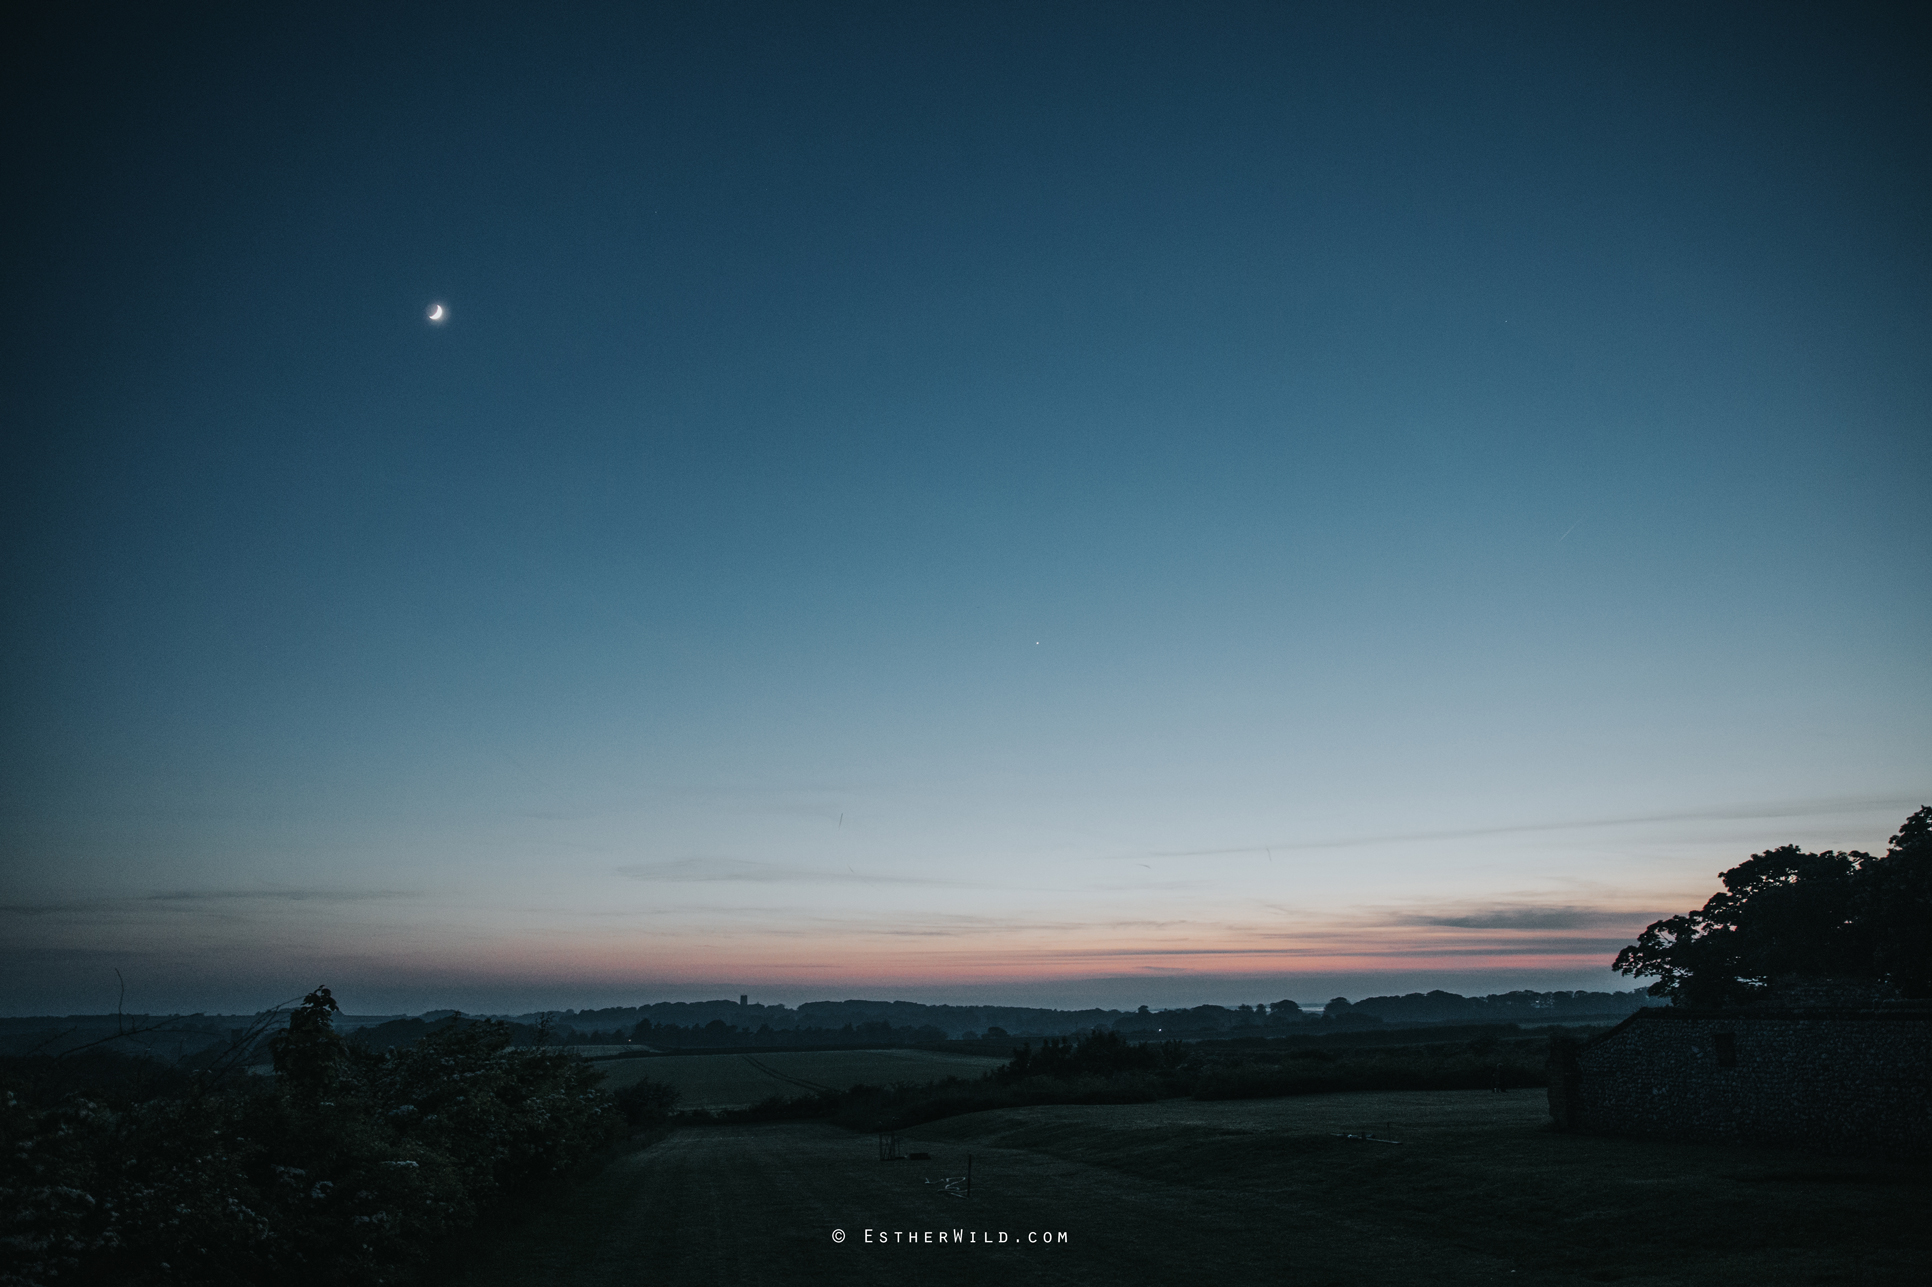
{"x": 1835, "y": 1080}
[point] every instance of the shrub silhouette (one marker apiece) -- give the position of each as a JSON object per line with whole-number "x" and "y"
{"x": 348, "y": 1166}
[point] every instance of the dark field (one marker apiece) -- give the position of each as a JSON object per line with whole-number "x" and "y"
{"x": 730, "y": 1080}
{"x": 1480, "y": 1190}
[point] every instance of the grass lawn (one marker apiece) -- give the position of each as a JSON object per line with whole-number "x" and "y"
{"x": 734, "y": 1081}
{"x": 1478, "y": 1191}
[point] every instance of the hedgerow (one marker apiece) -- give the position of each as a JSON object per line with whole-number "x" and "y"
{"x": 1102, "y": 1067}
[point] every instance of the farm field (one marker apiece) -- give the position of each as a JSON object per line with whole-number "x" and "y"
{"x": 1478, "y": 1191}
{"x": 734, "y": 1081}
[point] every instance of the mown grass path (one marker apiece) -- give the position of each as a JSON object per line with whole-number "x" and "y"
{"x": 1261, "y": 1191}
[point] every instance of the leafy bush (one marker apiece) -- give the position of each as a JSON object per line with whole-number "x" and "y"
{"x": 348, "y": 1166}
{"x": 646, "y": 1102}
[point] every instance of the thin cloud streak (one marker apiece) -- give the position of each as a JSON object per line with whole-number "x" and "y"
{"x": 740, "y": 870}
{"x": 282, "y": 895}
{"x": 1739, "y": 813}
{"x": 1529, "y": 918}
{"x": 1540, "y": 947}
{"x": 207, "y": 896}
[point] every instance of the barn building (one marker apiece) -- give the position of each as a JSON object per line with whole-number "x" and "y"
{"x": 1835, "y": 1073}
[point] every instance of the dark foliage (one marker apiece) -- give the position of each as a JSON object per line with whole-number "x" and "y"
{"x": 109, "y": 1077}
{"x": 1099, "y": 1053}
{"x": 646, "y": 1103}
{"x": 347, "y": 1166}
{"x": 1789, "y": 912}
{"x": 310, "y": 1053}
{"x": 1893, "y": 903}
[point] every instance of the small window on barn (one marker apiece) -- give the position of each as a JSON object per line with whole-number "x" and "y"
{"x": 1726, "y": 1050}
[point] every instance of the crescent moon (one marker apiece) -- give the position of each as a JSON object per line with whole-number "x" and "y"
{"x": 436, "y": 312}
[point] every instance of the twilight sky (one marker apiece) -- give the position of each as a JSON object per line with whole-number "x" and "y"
{"x": 1052, "y": 503}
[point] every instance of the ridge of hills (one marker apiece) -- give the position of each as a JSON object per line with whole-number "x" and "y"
{"x": 175, "y": 1038}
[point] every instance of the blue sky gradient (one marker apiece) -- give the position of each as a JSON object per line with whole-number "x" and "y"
{"x": 1037, "y": 501}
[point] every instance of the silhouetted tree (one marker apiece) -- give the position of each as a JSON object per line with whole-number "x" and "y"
{"x": 308, "y": 1053}
{"x": 1789, "y": 912}
{"x": 1893, "y": 903}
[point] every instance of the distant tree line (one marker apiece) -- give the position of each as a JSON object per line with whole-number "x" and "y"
{"x": 197, "y": 1039}
{"x": 1506, "y": 1007}
{"x": 718, "y": 1034}
{"x": 1282, "y": 1017}
{"x": 949, "y": 1021}
{"x": 1192, "y": 1023}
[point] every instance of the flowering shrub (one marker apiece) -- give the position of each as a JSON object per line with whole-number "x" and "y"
{"x": 345, "y": 1167}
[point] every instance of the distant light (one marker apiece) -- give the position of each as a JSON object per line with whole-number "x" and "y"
{"x": 438, "y": 314}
